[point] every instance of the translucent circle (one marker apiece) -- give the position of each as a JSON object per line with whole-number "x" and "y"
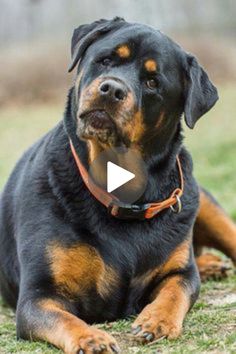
{"x": 122, "y": 158}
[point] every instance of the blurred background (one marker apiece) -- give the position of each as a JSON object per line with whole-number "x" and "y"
{"x": 34, "y": 56}
{"x": 35, "y": 53}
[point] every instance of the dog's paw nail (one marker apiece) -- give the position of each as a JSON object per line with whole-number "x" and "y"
{"x": 144, "y": 334}
{"x": 225, "y": 268}
{"x": 150, "y": 337}
{"x": 115, "y": 348}
{"x": 103, "y": 346}
{"x": 136, "y": 330}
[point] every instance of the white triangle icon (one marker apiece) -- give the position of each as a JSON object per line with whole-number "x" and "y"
{"x": 117, "y": 176}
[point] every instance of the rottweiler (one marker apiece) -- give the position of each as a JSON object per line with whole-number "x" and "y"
{"x": 67, "y": 258}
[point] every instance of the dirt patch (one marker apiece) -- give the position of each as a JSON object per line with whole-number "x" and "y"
{"x": 126, "y": 342}
{"x": 223, "y": 299}
{"x": 219, "y": 294}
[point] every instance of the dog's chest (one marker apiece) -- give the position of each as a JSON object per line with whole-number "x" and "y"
{"x": 109, "y": 282}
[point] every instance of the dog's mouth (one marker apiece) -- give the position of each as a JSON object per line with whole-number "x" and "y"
{"x": 97, "y": 124}
{"x": 97, "y": 119}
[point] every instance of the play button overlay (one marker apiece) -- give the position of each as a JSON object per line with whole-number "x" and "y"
{"x": 120, "y": 172}
{"x": 117, "y": 176}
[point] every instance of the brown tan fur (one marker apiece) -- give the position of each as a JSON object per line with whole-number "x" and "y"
{"x": 79, "y": 268}
{"x": 94, "y": 150}
{"x": 135, "y": 128}
{"x": 68, "y": 332}
{"x": 123, "y": 51}
{"x": 129, "y": 105}
{"x": 88, "y": 95}
{"x": 150, "y": 65}
{"x": 138, "y": 127}
{"x": 211, "y": 266}
{"x": 213, "y": 228}
{"x": 165, "y": 315}
{"x": 177, "y": 260}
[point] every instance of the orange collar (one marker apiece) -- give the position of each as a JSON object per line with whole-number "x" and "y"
{"x": 131, "y": 211}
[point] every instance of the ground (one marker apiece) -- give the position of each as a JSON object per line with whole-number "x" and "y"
{"x": 211, "y": 325}
{"x": 209, "y": 328}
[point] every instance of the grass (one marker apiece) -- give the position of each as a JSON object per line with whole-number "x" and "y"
{"x": 208, "y": 328}
{"x": 211, "y": 325}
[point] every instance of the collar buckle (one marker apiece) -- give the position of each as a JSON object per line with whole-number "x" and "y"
{"x": 127, "y": 211}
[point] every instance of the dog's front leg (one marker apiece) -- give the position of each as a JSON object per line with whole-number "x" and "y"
{"x": 49, "y": 320}
{"x": 164, "y": 316}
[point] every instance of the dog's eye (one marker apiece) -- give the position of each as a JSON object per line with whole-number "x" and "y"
{"x": 151, "y": 84}
{"x": 106, "y": 61}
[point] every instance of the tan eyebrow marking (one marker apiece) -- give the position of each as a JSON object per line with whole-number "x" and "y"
{"x": 123, "y": 51}
{"x": 150, "y": 65}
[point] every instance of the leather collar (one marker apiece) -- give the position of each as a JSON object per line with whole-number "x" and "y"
{"x": 131, "y": 211}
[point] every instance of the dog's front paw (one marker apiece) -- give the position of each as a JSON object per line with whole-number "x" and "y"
{"x": 92, "y": 341}
{"x": 154, "y": 323}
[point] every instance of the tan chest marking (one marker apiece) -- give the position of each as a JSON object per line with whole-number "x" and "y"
{"x": 79, "y": 268}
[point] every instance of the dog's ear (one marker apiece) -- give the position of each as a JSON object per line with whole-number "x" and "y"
{"x": 85, "y": 35}
{"x": 200, "y": 93}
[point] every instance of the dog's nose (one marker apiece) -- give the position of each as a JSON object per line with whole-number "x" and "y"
{"x": 112, "y": 89}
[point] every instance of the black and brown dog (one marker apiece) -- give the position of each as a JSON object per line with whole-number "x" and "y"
{"x": 65, "y": 261}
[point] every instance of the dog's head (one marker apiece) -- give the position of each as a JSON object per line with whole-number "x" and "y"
{"x": 133, "y": 84}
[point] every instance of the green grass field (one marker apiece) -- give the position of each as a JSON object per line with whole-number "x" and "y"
{"x": 211, "y": 325}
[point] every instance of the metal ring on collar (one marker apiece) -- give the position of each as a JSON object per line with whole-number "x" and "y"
{"x": 178, "y": 208}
